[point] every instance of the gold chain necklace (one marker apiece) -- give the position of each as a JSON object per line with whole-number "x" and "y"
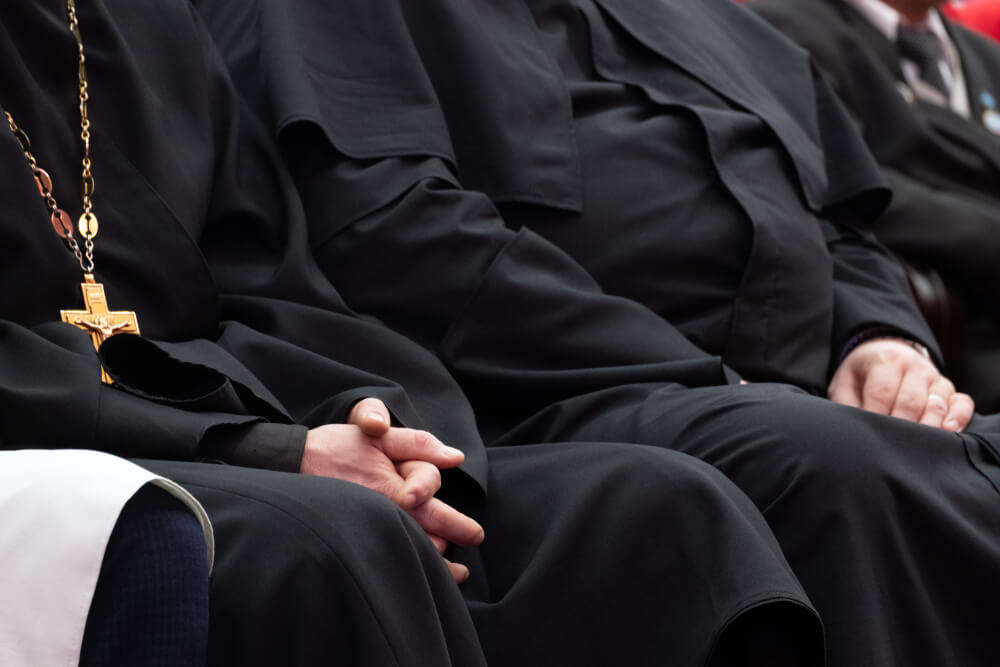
{"x": 97, "y": 320}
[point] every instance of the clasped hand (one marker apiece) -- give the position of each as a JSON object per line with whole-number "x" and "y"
{"x": 888, "y": 376}
{"x": 400, "y": 463}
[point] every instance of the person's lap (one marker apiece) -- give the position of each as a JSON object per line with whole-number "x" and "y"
{"x": 875, "y": 514}
{"x": 658, "y": 552}
{"x": 319, "y": 571}
{"x": 600, "y": 553}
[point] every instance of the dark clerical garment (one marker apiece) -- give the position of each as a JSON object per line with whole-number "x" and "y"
{"x": 440, "y": 147}
{"x": 597, "y": 553}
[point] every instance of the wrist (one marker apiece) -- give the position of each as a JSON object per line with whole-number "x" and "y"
{"x": 882, "y": 333}
{"x": 924, "y": 352}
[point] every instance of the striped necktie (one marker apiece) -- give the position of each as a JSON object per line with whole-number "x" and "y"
{"x": 923, "y": 48}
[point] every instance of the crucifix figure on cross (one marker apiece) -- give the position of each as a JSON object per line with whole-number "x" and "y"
{"x": 98, "y": 320}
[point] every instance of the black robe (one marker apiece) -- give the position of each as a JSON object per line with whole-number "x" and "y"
{"x": 416, "y": 131}
{"x": 512, "y": 102}
{"x": 245, "y": 344}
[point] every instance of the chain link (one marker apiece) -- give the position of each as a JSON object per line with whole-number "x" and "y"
{"x": 87, "y": 185}
{"x": 60, "y": 220}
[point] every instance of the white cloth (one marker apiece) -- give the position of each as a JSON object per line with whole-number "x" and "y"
{"x": 59, "y": 508}
{"x": 886, "y": 20}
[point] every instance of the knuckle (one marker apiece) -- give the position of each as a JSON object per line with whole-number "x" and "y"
{"x": 889, "y": 353}
{"x": 385, "y": 487}
{"x": 429, "y": 481}
{"x": 964, "y": 403}
{"x": 911, "y": 396}
{"x": 880, "y": 394}
{"x": 422, "y": 491}
{"x": 421, "y": 439}
{"x": 927, "y": 376}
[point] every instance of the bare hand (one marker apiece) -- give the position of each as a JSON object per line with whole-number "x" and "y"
{"x": 401, "y": 464}
{"x": 888, "y": 376}
{"x": 372, "y": 417}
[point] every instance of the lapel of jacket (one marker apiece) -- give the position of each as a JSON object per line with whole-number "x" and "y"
{"x": 977, "y": 80}
{"x": 943, "y": 121}
{"x": 969, "y": 133}
{"x": 691, "y": 35}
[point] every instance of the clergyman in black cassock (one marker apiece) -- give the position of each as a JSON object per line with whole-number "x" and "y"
{"x": 596, "y": 554}
{"x": 436, "y": 144}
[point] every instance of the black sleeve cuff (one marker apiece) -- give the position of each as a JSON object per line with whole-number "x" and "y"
{"x": 260, "y": 445}
{"x": 877, "y": 333}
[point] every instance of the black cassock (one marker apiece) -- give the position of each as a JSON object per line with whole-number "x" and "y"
{"x": 691, "y": 159}
{"x": 597, "y": 554}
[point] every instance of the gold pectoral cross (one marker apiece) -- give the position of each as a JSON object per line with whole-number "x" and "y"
{"x": 97, "y": 320}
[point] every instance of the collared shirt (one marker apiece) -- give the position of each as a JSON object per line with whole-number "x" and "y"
{"x": 886, "y": 20}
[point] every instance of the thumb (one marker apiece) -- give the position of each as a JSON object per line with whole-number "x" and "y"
{"x": 371, "y": 416}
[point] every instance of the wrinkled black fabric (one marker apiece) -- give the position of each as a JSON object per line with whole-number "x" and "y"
{"x": 244, "y": 338}
{"x": 516, "y": 130}
{"x": 559, "y": 117}
{"x": 171, "y": 182}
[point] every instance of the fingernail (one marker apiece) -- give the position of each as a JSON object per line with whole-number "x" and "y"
{"x": 951, "y": 424}
{"x": 377, "y": 416}
{"x": 451, "y": 451}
